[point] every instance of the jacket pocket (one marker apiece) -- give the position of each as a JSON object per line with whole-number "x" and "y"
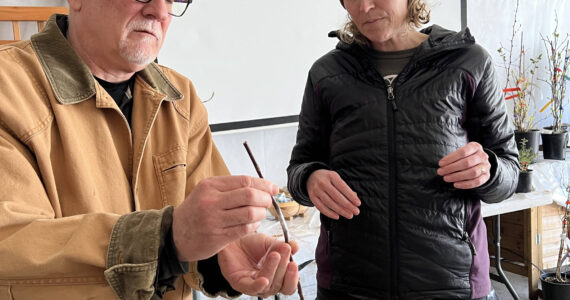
{"x": 170, "y": 169}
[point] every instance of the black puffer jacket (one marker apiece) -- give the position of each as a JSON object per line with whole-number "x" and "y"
{"x": 416, "y": 237}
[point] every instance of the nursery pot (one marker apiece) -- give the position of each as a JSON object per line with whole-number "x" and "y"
{"x": 554, "y": 290}
{"x": 533, "y": 137}
{"x": 554, "y": 145}
{"x": 525, "y": 182}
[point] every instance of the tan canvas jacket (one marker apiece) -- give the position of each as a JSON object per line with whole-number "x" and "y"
{"x": 81, "y": 193}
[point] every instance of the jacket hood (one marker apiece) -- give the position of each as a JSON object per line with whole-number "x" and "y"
{"x": 440, "y": 39}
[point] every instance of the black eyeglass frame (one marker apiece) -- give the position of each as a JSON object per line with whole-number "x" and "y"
{"x": 180, "y": 15}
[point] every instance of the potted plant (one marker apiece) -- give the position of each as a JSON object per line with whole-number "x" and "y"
{"x": 520, "y": 86}
{"x": 526, "y": 156}
{"x": 557, "y": 285}
{"x": 555, "y": 138}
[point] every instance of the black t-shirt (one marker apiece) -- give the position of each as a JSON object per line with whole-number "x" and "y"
{"x": 122, "y": 93}
{"x": 390, "y": 63}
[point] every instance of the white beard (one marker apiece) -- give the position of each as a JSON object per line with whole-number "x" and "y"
{"x": 141, "y": 53}
{"x": 135, "y": 54}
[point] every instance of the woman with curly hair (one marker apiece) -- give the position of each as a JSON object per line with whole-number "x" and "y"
{"x": 402, "y": 133}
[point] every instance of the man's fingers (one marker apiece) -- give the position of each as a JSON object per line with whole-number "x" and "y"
{"x": 284, "y": 251}
{"x": 269, "y": 267}
{"x": 291, "y": 278}
{"x": 294, "y": 247}
{"x": 236, "y": 232}
{"x": 229, "y": 183}
{"x": 242, "y": 215}
{"x": 245, "y": 197}
{"x": 251, "y": 286}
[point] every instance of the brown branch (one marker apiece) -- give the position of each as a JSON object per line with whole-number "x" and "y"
{"x": 279, "y": 214}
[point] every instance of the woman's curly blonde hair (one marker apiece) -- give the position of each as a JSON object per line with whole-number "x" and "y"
{"x": 418, "y": 14}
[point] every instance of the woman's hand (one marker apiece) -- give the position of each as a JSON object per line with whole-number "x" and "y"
{"x": 468, "y": 167}
{"x": 331, "y": 195}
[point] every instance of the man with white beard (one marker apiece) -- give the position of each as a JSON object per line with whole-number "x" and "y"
{"x": 111, "y": 184}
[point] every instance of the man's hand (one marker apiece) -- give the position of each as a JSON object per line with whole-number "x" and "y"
{"x": 218, "y": 211}
{"x": 259, "y": 265}
{"x": 331, "y": 195}
{"x": 468, "y": 167}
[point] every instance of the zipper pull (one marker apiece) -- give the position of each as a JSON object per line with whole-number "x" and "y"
{"x": 467, "y": 239}
{"x": 391, "y": 97}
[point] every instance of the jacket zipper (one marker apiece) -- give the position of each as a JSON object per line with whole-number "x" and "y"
{"x": 391, "y": 109}
{"x": 465, "y": 236}
{"x": 391, "y": 97}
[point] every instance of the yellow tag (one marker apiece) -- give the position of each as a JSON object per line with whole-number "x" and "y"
{"x": 547, "y": 104}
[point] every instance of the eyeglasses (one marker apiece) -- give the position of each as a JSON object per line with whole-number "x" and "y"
{"x": 175, "y": 7}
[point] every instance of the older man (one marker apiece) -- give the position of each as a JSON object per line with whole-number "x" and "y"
{"x": 107, "y": 165}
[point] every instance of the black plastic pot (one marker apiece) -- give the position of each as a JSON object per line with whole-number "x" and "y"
{"x": 525, "y": 182}
{"x": 554, "y": 145}
{"x": 554, "y": 290}
{"x": 533, "y": 140}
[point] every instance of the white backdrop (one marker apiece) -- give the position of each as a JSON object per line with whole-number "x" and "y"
{"x": 491, "y": 23}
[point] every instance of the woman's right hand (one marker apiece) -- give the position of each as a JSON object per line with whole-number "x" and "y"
{"x": 331, "y": 195}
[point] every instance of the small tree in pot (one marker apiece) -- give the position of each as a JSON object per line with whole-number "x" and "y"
{"x": 557, "y": 285}
{"x": 526, "y": 156}
{"x": 557, "y": 50}
{"x": 520, "y": 87}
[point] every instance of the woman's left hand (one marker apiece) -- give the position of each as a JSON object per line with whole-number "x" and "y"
{"x": 468, "y": 167}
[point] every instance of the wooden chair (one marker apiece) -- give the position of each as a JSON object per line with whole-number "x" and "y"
{"x": 39, "y": 14}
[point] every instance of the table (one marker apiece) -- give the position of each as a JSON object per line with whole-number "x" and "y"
{"x": 549, "y": 177}
{"x": 516, "y": 203}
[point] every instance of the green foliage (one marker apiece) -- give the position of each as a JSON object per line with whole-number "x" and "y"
{"x": 526, "y": 155}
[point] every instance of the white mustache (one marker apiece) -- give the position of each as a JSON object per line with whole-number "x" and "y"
{"x": 145, "y": 25}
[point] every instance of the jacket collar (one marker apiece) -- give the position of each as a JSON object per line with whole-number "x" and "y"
{"x": 69, "y": 76}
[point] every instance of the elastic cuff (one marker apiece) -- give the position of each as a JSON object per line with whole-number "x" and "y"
{"x": 298, "y": 184}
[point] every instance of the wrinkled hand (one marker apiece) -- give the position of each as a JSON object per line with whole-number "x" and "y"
{"x": 259, "y": 265}
{"x": 331, "y": 195}
{"x": 218, "y": 211}
{"x": 468, "y": 167}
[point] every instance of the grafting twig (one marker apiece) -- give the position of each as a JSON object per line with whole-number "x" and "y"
{"x": 279, "y": 215}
